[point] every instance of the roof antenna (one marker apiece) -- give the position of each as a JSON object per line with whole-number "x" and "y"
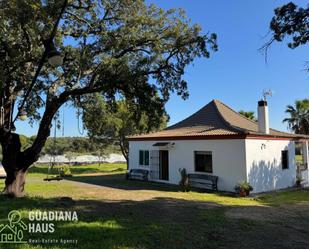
{"x": 267, "y": 93}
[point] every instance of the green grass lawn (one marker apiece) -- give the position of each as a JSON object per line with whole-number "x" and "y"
{"x": 116, "y": 213}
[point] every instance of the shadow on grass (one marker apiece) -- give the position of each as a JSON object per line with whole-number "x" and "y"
{"x": 125, "y": 224}
{"x": 118, "y": 181}
{"x": 157, "y": 223}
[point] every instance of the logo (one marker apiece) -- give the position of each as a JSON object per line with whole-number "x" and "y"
{"x": 13, "y": 232}
{"x": 38, "y": 223}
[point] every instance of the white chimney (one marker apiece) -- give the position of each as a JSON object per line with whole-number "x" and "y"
{"x": 263, "y": 118}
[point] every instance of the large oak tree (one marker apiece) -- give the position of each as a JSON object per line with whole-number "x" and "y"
{"x": 114, "y": 47}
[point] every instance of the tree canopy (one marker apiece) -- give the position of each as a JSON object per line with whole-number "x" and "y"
{"x": 299, "y": 117}
{"x": 290, "y": 23}
{"x": 113, "y": 47}
{"x": 113, "y": 124}
{"x": 121, "y": 48}
{"x": 249, "y": 115}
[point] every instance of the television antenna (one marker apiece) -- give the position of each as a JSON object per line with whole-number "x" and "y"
{"x": 267, "y": 93}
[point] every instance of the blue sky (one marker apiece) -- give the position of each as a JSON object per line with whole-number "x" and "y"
{"x": 237, "y": 73}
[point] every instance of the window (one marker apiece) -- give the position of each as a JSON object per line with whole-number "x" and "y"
{"x": 144, "y": 157}
{"x": 285, "y": 159}
{"x": 203, "y": 161}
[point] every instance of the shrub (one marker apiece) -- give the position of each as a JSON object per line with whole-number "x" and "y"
{"x": 65, "y": 171}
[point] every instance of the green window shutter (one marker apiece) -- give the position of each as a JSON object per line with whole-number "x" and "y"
{"x": 146, "y": 157}
{"x": 141, "y": 157}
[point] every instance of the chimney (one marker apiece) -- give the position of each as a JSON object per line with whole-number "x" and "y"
{"x": 263, "y": 119}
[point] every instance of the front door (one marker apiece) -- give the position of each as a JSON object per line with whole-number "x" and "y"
{"x": 164, "y": 165}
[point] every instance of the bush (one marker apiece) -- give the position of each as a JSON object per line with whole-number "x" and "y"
{"x": 65, "y": 171}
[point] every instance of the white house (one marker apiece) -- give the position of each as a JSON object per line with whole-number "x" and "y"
{"x": 219, "y": 141}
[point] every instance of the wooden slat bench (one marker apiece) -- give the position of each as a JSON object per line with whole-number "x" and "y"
{"x": 137, "y": 174}
{"x": 203, "y": 181}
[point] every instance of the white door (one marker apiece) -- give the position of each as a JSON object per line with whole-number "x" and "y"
{"x": 154, "y": 165}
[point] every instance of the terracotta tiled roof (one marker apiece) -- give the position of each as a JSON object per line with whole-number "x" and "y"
{"x": 214, "y": 119}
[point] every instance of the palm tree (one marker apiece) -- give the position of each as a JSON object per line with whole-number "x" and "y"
{"x": 249, "y": 115}
{"x": 299, "y": 117}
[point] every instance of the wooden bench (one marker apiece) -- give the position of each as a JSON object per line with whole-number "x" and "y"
{"x": 137, "y": 174}
{"x": 203, "y": 181}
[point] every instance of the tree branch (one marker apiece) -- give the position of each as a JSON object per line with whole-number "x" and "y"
{"x": 52, "y": 106}
{"x": 123, "y": 149}
{"x": 42, "y": 60}
{"x": 79, "y": 18}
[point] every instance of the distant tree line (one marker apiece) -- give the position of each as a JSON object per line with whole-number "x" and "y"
{"x": 65, "y": 145}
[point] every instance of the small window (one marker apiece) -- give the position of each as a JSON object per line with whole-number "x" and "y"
{"x": 285, "y": 159}
{"x": 144, "y": 157}
{"x": 203, "y": 161}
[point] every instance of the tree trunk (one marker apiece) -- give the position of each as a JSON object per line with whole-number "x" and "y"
{"x": 124, "y": 149}
{"x": 14, "y": 163}
{"x": 15, "y": 183}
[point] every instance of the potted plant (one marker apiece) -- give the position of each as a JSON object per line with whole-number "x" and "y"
{"x": 243, "y": 188}
{"x": 184, "y": 181}
{"x": 298, "y": 181}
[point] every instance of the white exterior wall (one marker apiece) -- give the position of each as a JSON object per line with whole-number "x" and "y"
{"x": 228, "y": 159}
{"x": 264, "y": 168}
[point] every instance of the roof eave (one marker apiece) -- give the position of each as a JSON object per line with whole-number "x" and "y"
{"x": 221, "y": 137}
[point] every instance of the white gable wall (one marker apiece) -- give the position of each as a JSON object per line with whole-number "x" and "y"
{"x": 228, "y": 158}
{"x": 264, "y": 168}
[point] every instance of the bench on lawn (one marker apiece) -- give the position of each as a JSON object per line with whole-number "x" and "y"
{"x": 203, "y": 181}
{"x": 137, "y": 174}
